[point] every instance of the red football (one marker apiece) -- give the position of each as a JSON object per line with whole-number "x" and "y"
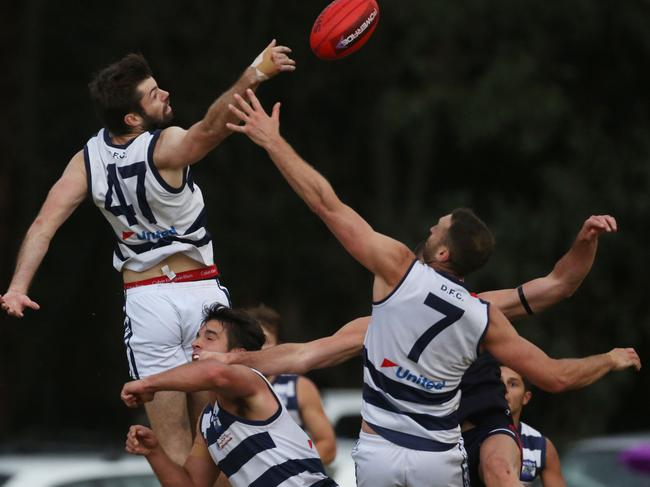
{"x": 343, "y": 27}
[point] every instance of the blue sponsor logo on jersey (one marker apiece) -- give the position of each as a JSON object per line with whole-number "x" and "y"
{"x": 403, "y": 373}
{"x": 150, "y": 235}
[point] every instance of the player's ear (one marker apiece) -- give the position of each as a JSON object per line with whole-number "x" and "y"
{"x": 133, "y": 120}
{"x": 527, "y": 397}
{"x": 442, "y": 253}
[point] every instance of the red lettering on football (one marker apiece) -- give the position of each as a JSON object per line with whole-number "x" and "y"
{"x": 343, "y": 28}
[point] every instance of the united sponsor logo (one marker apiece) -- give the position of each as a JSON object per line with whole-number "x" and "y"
{"x": 148, "y": 236}
{"x": 405, "y": 374}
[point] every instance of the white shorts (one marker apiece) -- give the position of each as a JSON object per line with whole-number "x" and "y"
{"x": 162, "y": 320}
{"x": 380, "y": 463}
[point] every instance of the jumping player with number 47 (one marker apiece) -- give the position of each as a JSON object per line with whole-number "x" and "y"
{"x": 137, "y": 171}
{"x": 426, "y": 328}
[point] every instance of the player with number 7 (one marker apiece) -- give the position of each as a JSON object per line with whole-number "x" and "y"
{"x": 426, "y": 328}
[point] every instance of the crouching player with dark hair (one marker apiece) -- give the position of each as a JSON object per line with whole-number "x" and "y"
{"x": 247, "y": 434}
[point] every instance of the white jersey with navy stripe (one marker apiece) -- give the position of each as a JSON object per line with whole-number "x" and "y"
{"x": 533, "y": 445}
{"x": 286, "y": 387}
{"x": 262, "y": 453}
{"x": 420, "y": 341}
{"x": 151, "y": 219}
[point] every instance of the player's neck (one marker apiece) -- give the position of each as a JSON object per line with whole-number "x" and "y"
{"x": 124, "y": 139}
{"x": 444, "y": 268}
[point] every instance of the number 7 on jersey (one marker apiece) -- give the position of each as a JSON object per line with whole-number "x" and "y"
{"x": 451, "y": 314}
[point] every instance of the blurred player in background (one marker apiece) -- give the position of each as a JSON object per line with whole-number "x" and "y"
{"x": 539, "y": 456}
{"x": 298, "y": 394}
{"x": 246, "y": 433}
{"x": 137, "y": 171}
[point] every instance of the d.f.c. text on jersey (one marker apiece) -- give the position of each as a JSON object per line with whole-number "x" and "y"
{"x": 420, "y": 341}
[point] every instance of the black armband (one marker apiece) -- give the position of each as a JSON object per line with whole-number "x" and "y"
{"x": 524, "y": 303}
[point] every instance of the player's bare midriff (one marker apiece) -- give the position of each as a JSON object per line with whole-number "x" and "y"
{"x": 365, "y": 427}
{"x": 177, "y": 263}
{"x": 466, "y": 426}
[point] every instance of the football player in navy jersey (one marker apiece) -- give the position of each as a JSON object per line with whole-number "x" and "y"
{"x": 137, "y": 171}
{"x": 245, "y": 432}
{"x": 398, "y": 417}
{"x": 540, "y": 458}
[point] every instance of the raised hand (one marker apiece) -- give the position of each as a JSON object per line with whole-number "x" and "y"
{"x": 273, "y": 60}
{"x": 596, "y": 225}
{"x": 624, "y": 358}
{"x": 14, "y": 303}
{"x": 140, "y": 440}
{"x": 258, "y": 125}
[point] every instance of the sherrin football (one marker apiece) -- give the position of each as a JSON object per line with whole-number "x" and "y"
{"x": 343, "y": 28}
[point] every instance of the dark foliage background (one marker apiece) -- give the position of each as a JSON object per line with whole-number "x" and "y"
{"x": 534, "y": 113}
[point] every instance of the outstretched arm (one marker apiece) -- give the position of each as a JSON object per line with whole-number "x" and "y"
{"x": 385, "y": 257}
{"x": 551, "y": 375}
{"x": 316, "y": 422}
{"x": 198, "y": 471}
{"x": 208, "y": 375}
{"x": 64, "y": 197}
{"x": 300, "y": 358}
{"x": 178, "y": 147}
{"x": 562, "y": 281}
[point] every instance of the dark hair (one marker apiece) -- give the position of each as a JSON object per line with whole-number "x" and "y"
{"x": 469, "y": 240}
{"x": 242, "y": 330}
{"x": 114, "y": 93}
{"x": 267, "y": 317}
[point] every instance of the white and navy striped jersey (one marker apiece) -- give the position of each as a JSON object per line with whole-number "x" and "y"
{"x": 420, "y": 341}
{"x": 262, "y": 453}
{"x": 151, "y": 219}
{"x": 286, "y": 388}
{"x": 533, "y": 453}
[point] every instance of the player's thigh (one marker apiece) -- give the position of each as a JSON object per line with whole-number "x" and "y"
{"x": 500, "y": 458}
{"x": 170, "y": 421}
{"x": 152, "y": 331}
{"x": 377, "y": 462}
{"x": 380, "y": 463}
{"x": 443, "y": 469}
{"x": 191, "y": 299}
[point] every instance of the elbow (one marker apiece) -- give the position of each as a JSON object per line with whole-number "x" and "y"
{"x": 319, "y": 208}
{"x": 563, "y": 287}
{"x": 327, "y": 451}
{"x": 567, "y": 290}
{"x": 557, "y": 386}
{"x": 40, "y": 230}
{"x": 301, "y": 364}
